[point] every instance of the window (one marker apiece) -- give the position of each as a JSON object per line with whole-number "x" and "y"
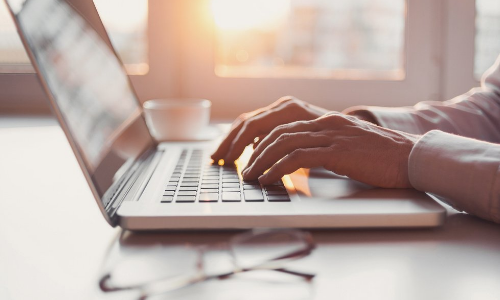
{"x": 13, "y": 58}
{"x": 388, "y": 57}
{"x": 243, "y": 54}
{"x": 127, "y": 30}
{"x": 356, "y": 39}
{"x": 487, "y": 38}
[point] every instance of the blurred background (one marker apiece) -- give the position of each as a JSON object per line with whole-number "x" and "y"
{"x": 243, "y": 54}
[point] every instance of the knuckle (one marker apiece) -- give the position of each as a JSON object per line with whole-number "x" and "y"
{"x": 242, "y": 117}
{"x": 280, "y": 128}
{"x": 306, "y": 122}
{"x": 333, "y": 118}
{"x": 283, "y": 137}
{"x": 322, "y": 136}
{"x": 294, "y": 104}
{"x": 297, "y": 153}
{"x": 285, "y": 99}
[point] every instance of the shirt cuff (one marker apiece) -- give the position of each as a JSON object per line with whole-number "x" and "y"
{"x": 464, "y": 172}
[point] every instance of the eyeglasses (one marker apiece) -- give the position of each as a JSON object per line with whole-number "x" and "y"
{"x": 165, "y": 269}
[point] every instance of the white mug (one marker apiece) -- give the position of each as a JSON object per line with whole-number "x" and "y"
{"x": 177, "y": 119}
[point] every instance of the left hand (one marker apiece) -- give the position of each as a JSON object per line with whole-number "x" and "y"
{"x": 340, "y": 143}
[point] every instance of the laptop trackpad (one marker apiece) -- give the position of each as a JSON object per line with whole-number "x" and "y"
{"x": 332, "y": 191}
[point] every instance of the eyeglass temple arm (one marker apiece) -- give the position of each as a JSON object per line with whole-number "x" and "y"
{"x": 306, "y": 276}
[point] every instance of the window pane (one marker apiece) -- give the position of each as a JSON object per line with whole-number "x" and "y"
{"x": 356, "y": 39}
{"x": 13, "y": 58}
{"x": 487, "y": 35}
{"x": 125, "y": 21}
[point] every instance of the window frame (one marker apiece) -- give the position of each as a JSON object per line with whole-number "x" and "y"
{"x": 459, "y": 46}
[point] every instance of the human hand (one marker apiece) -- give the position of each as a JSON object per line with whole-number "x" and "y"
{"x": 258, "y": 124}
{"x": 343, "y": 144}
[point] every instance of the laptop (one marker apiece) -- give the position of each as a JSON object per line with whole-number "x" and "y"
{"x": 140, "y": 184}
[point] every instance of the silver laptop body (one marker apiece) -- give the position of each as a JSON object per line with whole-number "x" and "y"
{"x": 142, "y": 185}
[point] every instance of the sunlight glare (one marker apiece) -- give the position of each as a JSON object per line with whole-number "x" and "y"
{"x": 122, "y": 15}
{"x": 249, "y": 14}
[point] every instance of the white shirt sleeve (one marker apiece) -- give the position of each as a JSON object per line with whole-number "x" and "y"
{"x": 475, "y": 114}
{"x": 458, "y": 157}
{"x": 461, "y": 171}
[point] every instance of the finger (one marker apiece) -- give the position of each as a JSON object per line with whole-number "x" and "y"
{"x": 226, "y": 143}
{"x": 301, "y": 158}
{"x": 285, "y": 144}
{"x": 225, "y": 146}
{"x": 300, "y": 126}
{"x": 250, "y": 129}
{"x": 233, "y": 132}
{"x": 259, "y": 125}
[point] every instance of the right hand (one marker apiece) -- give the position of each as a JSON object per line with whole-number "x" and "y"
{"x": 259, "y": 123}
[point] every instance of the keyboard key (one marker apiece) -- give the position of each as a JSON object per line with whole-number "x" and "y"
{"x": 278, "y": 198}
{"x": 188, "y": 188}
{"x": 231, "y": 197}
{"x": 209, "y": 190}
{"x": 185, "y": 199}
{"x": 168, "y": 193}
{"x": 174, "y": 179}
{"x": 209, "y": 186}
{"x": 167, "y": 199}
{"x": 230, "y": 177}
{"x": 192, "y": 172}
{"x": 171, "y": 188}
{"x": 224, "y": 189}
{"x": 211, "y": 177}
{"x": 279, "y": 192}
{"x": 229, "y": 174}
{"x": 184, "y": 184}
{"x": 209, "y": 197}
{"x": 253, "y": 195}
{"x": 192, "y": 175}
{"x": 230, "y": 180}
{"x": 190, "y": 179}
{"x": 193, "y": 168}
{"x": 251, "y": 187}
{"x": 230, "y": 185}
{"x": 209, "y": 181}
{"x": 186, "y": 193}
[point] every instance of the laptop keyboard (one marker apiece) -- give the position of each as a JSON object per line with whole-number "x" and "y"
{"x": 196, "y": 181}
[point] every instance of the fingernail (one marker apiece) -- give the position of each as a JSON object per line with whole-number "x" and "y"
{"x": 261, "y": 178}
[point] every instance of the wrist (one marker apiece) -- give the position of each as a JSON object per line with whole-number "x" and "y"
{"x": 361, "y": 113}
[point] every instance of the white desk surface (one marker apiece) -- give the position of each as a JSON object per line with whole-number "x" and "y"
{"x": 53, "y": 240}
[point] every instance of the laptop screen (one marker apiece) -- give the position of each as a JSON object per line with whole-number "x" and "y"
{"x": 92, "y": 94}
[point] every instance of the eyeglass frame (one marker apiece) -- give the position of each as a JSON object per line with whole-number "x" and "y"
{"x": 161, "y": 286}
